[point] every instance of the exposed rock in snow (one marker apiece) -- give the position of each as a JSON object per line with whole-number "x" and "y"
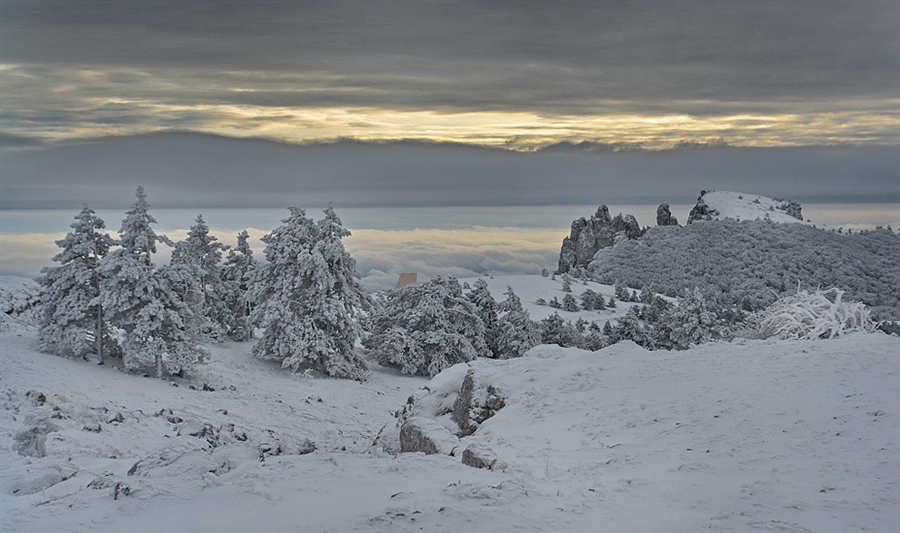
{"x": 478, "y": 456}
{"x": 587, "y": 236}
{"x": 477, "y": 401}
{"x": 420, "y": 434}
{"x": 751, "y": 435}
{"x": 664, "y": 216}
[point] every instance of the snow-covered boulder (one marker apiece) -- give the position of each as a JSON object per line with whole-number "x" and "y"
{"x": 420, "y": 434}
{"x": 479, "y": 456}
{"x": 478, "y": 400}
{"x": 452, "y": 406}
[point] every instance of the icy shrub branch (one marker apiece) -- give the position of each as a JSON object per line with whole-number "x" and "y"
{"x": 822, "y": 314}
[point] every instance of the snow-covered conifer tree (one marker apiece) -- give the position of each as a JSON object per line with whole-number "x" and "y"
{"x": 140, "y": 302}
{"x": 591, "y": 300}
{"x": 517, "y": 332}
{"x": 480, "y": 295}
{"x": 196, "y": 272}
{"x": 570, "y": 304}
{"x": 428, "y": 327}
{"x": 305, "y": 297}
{"x": 646, "y": 295}
{"x": 622, "y": 293}
{"x": 555, "y": 330}
{"x": 237, "y": 271}
{"x": 71, "y": 317}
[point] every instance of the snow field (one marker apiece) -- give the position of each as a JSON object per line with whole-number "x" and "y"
{"x": 791, "y": 435}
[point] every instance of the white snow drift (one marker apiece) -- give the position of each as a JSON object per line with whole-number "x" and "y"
{"x": 796, "y": 435}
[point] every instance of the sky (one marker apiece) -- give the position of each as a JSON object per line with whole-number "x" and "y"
{"x": 264, "y": 104}
{"x": 98, "y": 83}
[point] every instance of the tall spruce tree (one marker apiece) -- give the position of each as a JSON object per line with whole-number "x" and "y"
{"x": 517, "y": 333}
{"x": 71, "y": 315}
{"x": 195, "y": 268}
{"x": 237, "y": 272}
{"x": 140, "y": 302}
{"x": 305, "y": 297}
{"x": 480, "y": 296}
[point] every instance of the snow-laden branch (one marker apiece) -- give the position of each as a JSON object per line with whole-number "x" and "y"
{"x": 817, "y": 315}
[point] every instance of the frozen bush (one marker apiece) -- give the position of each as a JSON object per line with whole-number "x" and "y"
{"x": 817, "y": 315}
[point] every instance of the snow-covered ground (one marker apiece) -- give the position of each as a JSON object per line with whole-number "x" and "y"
{"x": 739, "y": 206}
{"x": 748, "y": 435}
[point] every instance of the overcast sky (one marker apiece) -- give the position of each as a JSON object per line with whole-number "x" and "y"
{"x": 778, "y": 80}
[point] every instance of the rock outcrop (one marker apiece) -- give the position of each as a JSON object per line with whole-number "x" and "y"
{"x": 477, "y": 401}
{"x": 421, "y": 434}
{"x": 664, "y": 216}
{"x": 438, "y": 418}
{"x": 587, "y": 236}
{"x": 701, "y": 211}
{"x": 478, "y": 456}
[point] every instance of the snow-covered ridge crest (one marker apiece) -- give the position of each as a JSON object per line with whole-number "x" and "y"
{"x": 719, "y": 205}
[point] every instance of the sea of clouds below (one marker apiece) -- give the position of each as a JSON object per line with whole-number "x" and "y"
{"x": 461, "y": 241}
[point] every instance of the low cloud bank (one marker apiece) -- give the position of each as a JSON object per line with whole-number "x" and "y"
{"x": 204, "y": 171}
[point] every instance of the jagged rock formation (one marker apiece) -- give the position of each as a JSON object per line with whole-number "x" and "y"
{"x": 664, "y": 216}
{"x": 587, "y": 236}
{"x": 701, "y": 211}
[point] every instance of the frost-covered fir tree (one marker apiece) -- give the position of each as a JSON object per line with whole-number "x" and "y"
{"x": 555, "y": 330}
{"x": 591, "y": 300}
{"x": 140, "y": 303}
{"x": 570, "y": 304}
{"x": 428, "y": 327}
{"x": 517, "y": 332}
{"x": 305, "y": 296}
{"x": 237, "y": 271}
{"x": 71, "y": 317}
{"x": 622, "y": 293}
{"x": 480, "y": 295}
{"x": 195, "y": 271}
{"x": 344, "y": 279}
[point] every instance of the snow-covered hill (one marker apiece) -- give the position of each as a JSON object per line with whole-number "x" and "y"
{"x": 749, "y": 435}
{"x": 738, "y": 206}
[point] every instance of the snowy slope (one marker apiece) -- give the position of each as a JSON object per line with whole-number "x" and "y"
{"x": 740, "y": 206}
{"x": 19, "y": 302}
{"x": 751, "y": 435}
{"x": 530, "y": 287}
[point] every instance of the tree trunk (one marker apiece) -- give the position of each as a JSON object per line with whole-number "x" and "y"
{"x": 98, "y": 335}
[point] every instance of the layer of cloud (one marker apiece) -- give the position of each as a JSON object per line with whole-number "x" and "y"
{"x": 521, "y": 73}
{"x": 200, "y": 171}
{"x": 387, "y": 242}
{"x": 64, "y": 103}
